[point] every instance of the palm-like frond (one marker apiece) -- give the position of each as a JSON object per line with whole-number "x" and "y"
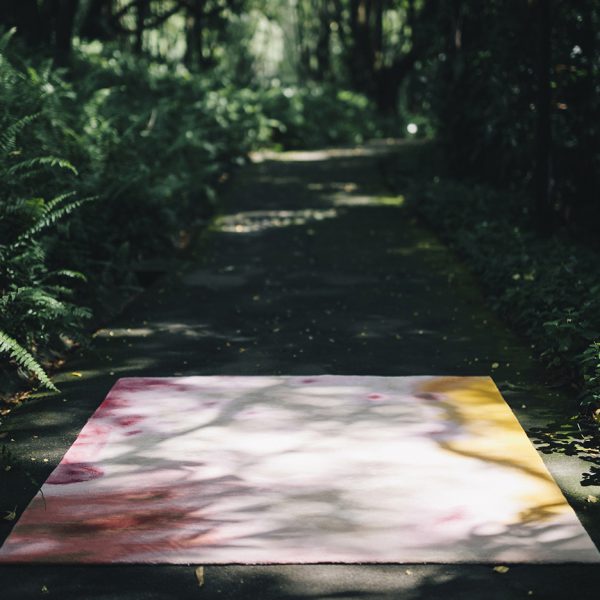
{"x": 25, "y": 360}
{"x": 32, "y": 166}
{"x": 51, "y": 216}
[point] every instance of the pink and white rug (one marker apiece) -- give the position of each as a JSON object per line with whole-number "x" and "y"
{"x": 213, "y": 470}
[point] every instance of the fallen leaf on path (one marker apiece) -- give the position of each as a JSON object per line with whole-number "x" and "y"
{"x": 10, "y": 515}
{"x": 76, "y": 374}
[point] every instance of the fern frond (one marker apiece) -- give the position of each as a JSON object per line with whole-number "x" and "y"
{"x": 81, "y": 312}
{"x": 8, "y": 138}
{"x": 15, "y": 207}
{"x": 9, "y": 297}
{"x": 24, "y": 359}
{"x": 51, "y": 217}
{"x": 52, "y": 204}
{"x": 36, "y": 297}
{"x": 6, "y": 37}
{"x": 59, "y": 290}
{"x": 41, "y": 161}
{"x": 69, "y": 274}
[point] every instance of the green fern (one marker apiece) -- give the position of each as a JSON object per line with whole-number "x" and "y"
{"x": 6, "y": 37}
{"x": 8, "y": 138}
{"x": 51, "y": 216}
{"x": 68, "y": 274}
{"x": 37, "y": 313}
{"x": 25, "y": 360}
{"x": 32, "y": 165}
{"x": 52, "y": 204}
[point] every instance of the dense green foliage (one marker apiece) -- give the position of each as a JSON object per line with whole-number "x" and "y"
{"x": 149, "y": 145}
{"x": 35, "y": 305}
{"x": 318, "y": 115}
{"x": 547, "y": 287}
{"x": 144, "y": 105}
{"x": 513, "y": 91}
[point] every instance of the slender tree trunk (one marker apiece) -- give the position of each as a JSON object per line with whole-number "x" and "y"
{"x": 361, "y": 64}
{"x": 63, "y": 29}
{"x": 543, "y": 137}
{"x": 409, "y": 90}
{"x": 299, "y": 23}
{"x": 194, "y": 53}
{"x": 386, "y": 89}
{"x": 587, "y": 175}
{"x": 378, "y": 34}
{"x": 142, "y": 13}
{"x": 97, "y": 21}
{"x": 323, "y": 41}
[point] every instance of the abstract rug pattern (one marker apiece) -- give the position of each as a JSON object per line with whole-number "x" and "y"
{"x": 290, "y": 469}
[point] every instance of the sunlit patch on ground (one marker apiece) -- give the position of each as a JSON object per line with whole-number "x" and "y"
{"x": 124, "y": 332}
{"x": 348, "y": 187}
{"x": 374, "y": 148}
{"x": 260, "y": 220}
{"x": 364, "y": 200}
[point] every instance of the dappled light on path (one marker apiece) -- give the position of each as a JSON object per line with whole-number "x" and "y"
{"x": 300, "y": 469}
{"x": 374, "y": 148}
{"x": 259, "y": 220}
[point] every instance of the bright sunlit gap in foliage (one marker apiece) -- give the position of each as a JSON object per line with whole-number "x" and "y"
{"x": 412, "y": 128}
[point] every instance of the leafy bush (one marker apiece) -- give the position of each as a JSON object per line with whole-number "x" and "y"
{"x": 547, "y": 287}
{"x": 36, "y": 311}
{"x": 149, "y": 143}
{"x": 319, "y": 115}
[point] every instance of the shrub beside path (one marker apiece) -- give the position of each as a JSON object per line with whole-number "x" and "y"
{"x": 312, "y": 267}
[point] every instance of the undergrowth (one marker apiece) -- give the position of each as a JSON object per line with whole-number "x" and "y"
{"x": 150, "y": 144}
{"x": 546, "y": 287}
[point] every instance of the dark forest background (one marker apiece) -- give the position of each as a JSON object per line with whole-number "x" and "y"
{"x": 120, "y": 120}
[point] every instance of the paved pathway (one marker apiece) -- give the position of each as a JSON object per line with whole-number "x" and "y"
{"x": 311, "y": 268}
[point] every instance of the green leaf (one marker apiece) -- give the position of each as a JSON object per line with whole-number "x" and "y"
{"x": 24, "y": 359}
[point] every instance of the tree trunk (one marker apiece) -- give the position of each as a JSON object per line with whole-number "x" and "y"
{"x": 323, "y": 40}
{"x": 97, "y": 21}
{"x": 543, "y": 135}
{"x": 361, "y": 64}
{"x": 142, "y": 13}
{"x": 388, "y": 92}
{"x": 586, "y": 174}
{"x": 378, "y": 34}
{"x": 63, "y": 30}
{"x": 194, "y": 52}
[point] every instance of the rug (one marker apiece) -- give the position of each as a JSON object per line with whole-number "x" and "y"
{"x": 288, "y": 469}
